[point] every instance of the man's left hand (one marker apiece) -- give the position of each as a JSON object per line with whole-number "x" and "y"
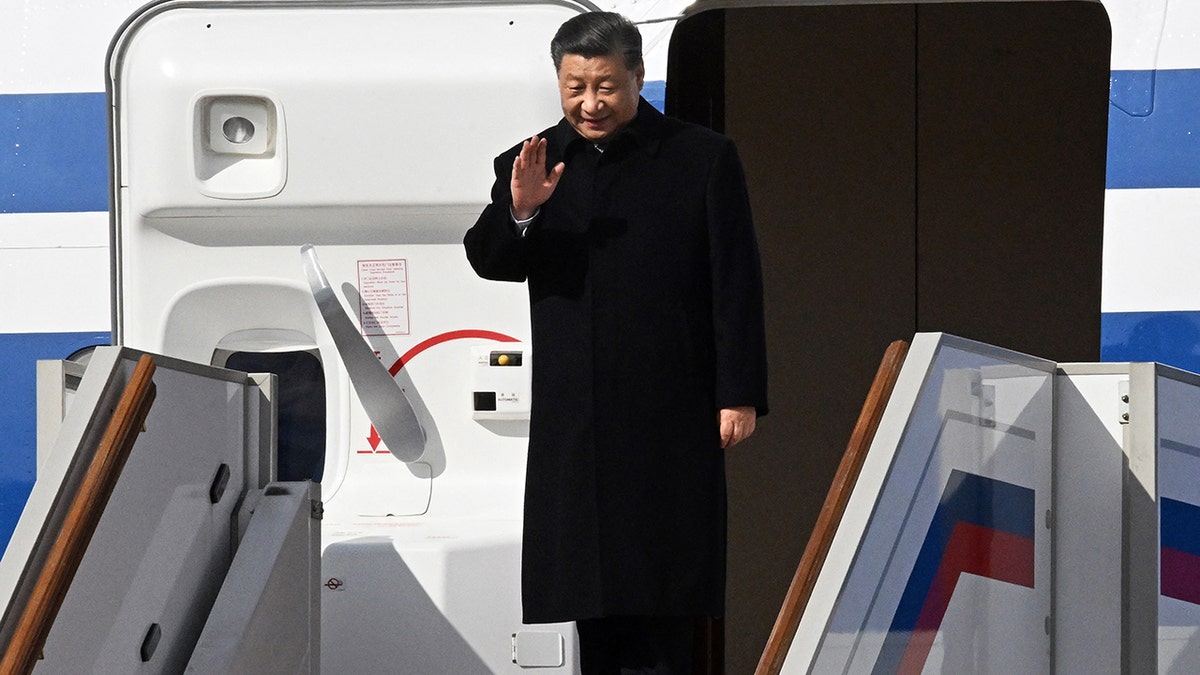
{"x": 736, "y": 424}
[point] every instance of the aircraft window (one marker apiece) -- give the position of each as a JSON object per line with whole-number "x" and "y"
{"x": 301, "y": 453}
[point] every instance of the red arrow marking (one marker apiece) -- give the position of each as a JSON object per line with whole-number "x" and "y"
{"x": 446, "y": 337}
{"x": 374, "y": 440}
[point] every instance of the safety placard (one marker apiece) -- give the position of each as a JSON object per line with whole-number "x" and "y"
{"x": 383, "y": 285}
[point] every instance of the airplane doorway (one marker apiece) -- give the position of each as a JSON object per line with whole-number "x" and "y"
{"x": 912, "y": 167}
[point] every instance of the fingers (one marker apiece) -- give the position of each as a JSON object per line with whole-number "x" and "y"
{"x": 736, "y": 425}
{"x": 526, "y": 157}
{"x": 533, "y": 152}
{"x": 530, "y": 162}
{"x": 732, "y": 433}
{"x": 732, "y": 436}
{"x": 556, "y": 173}
{"x": 728, "y": 432}
{"x": 530, "y": 185}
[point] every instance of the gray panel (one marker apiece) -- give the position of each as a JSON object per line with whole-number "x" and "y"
{"x": 271, "y": 595}
{"x": 165, "y": 538}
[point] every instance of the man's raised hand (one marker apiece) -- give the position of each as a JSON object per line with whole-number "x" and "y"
{"x": 531, "y": 185}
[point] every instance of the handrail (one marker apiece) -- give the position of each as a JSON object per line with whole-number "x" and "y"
{"x": 831, "y": 512}
{"x": 87, "y": 506}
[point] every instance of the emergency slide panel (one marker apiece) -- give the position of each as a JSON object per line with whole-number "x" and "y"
{"x": 163, "y": 543}
{"x": 941, "y": 561}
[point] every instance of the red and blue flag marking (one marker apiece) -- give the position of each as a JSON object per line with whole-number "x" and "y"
{"x": 982, "y": 526}
{"x": 1179, "y": 554}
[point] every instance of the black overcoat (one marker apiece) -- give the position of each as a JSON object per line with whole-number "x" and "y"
{"x": 646, "y": 306}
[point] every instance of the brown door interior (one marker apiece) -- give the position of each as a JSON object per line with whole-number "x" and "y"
{"x": 912, "y": 167}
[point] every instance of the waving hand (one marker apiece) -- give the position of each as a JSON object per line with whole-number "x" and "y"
{"x": 531, "y": 185}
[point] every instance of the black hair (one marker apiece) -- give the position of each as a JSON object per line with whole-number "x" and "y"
{"x": 595, "y": 34}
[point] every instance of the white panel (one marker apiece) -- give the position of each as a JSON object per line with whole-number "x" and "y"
{"x": 57, "y": 45}
{"x": 1181, "y": 36}
{"x": 1154, "y": 34}
{"x": 54, "y": 290}
{"x": 53, "y": 230}
{"x": 1150, "y": 240}
{"x": 1089, "y": 470}
{"x": 1137, "y": 30}
{"x": 385, "y": 103}
{"x": 425, "y": 596}
{"x": 55, "y": 267}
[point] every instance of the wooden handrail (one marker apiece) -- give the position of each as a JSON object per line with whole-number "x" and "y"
{"x": 831, "y": 512}
{"x": 54, "y": 578}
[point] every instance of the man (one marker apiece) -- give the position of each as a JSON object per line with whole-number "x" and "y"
{"x": 633, "y": 231}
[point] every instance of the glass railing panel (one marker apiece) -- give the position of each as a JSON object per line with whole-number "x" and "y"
{"x": 952, "y": 569}
{"x": 1178, "y": 493}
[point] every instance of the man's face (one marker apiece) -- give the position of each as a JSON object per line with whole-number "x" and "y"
{"x": 599, "y": 94}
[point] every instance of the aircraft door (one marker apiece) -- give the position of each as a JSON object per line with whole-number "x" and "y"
{"x": 245, "y": 130}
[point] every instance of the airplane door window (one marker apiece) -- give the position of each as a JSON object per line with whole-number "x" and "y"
{"x": 301, "y": 453}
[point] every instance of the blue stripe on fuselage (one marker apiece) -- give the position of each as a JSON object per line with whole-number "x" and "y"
{"x": 1153, "y": 137}
{"x": 53, "y": 153}
{"x": 1172, "y": 338}
{"x": 19, "y": 354}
